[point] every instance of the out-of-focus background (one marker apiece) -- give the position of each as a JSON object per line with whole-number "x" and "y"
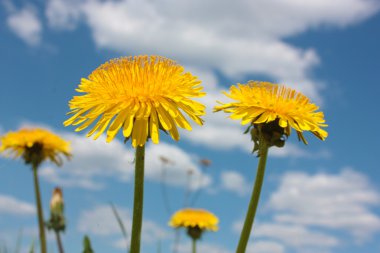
{"x": 323, "y": 197}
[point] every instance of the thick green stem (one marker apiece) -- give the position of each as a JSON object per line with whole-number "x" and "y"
{"x": 249, "y": 219}
{"x": 138, "y": 200}
{"x": 59, "y": 242}
{"x": 194, "y": 246}
{"x": 39, "y": 211}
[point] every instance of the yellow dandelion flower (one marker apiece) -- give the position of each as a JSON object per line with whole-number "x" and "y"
{"x": 191, "y": 218}
{"x": 264, "y": 102}
{"x": 35, "y": 146}
{"x": 139, "y": 95}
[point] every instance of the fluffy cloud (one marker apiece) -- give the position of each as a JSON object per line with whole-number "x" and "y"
{"x": 100, "y": 221}
{"x": 203, "y": 247}
{"x": 264, "y": 246}
{"x": 339, "y": 201}
{"x": 235, "y": 38}
{"x": 295, "y": 235}
{"x": 260, "y": 246}
{"x": 93, "y": 161}
{"x": 62, "y": 14}
{"x": 306, "y": 211}
{"x": 145, "y": 27}
{"x": 235, "y": 182}
{"x": 26, "y": 25}
{"x": 13, "y": 206}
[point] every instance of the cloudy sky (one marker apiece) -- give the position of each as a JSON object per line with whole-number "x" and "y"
{"x": 319, "y": 198}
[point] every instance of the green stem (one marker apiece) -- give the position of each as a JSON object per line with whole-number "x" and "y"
{"x": 138, "y": 200}
{"x": 59, "y": 242}
{"x": 194, "y": 246}
{"x": 39, "y": 211}
{"x": 244, "y": 236}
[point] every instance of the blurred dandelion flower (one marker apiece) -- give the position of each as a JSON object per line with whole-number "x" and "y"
{"x": 35, "y": 146}
{"x": 196, "y": 221}
{"x": 191, "y": 218}
{"x": 141, "y": 95}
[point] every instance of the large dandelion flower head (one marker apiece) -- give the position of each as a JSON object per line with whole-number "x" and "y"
{"x": 35, "y": 146}
{"x": 139, "y": 95}
{"x": 274, "y": 107}
{"x": 195, "y": 220}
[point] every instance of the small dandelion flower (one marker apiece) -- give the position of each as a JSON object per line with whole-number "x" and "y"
{"x": 196, "y": 221}
{"x": 264, "y": 102}
{"x": 35, "y": 146}
{"x": 139, "y": 95}
{"x": 194, "y": 218}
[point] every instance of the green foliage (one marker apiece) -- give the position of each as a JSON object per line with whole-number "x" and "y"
{"x": 87, "y": 245}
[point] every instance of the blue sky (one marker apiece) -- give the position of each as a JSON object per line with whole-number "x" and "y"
{"x": 323, "y": 197}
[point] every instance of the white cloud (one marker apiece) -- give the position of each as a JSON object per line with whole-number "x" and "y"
{"x": 94, "y": 161}
{"x": 296, "y": 236}
{"x": 203, "y": 247}
{"x": 177, "y": 172}
{"x": 340, "y": 201}
{"x": 12, "y": 206}
{"x": 313, "y": 213}
{"x": 235, "y": 182}
{"x": 288, "y": 236}
{"x": 261, "y": 246}
{"x": 26, "y": 24}
{"x": 150, "y": 28}
{"x": 100, "y": 221}
{"x": 62, "y": 14}
{"x": 234, "y": 38}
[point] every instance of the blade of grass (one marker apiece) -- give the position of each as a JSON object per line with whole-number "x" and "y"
{"x": 120, "y": 222}
{"x": 31, "y": 249}
{"x": 18, "y": 242}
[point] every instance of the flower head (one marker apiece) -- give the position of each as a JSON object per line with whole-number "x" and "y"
{"x": 194, "y": 218}
{"x": 57, "y": 218}
{"x": 35, "y": 146}
{"x": 139, "y": 95}
{"x": 276, "y": 106}
{"x": 56, "y": 202}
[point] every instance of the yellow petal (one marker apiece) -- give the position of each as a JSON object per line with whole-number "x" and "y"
{"x": 116, "y": 125}
{"x": 154, "y": 126}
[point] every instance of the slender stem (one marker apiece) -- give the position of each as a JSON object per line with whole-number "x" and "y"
{"x": 187, "y": 190}
{"x": 164, "y": 192}
{"x": 194, "y": 246}
{"x": 244, "y": 236}
{"x": 138, "y": 199}
{"x": 39, "y": 211}
{"x": 59, "y": 242}
{"x": 199, "y": 190}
